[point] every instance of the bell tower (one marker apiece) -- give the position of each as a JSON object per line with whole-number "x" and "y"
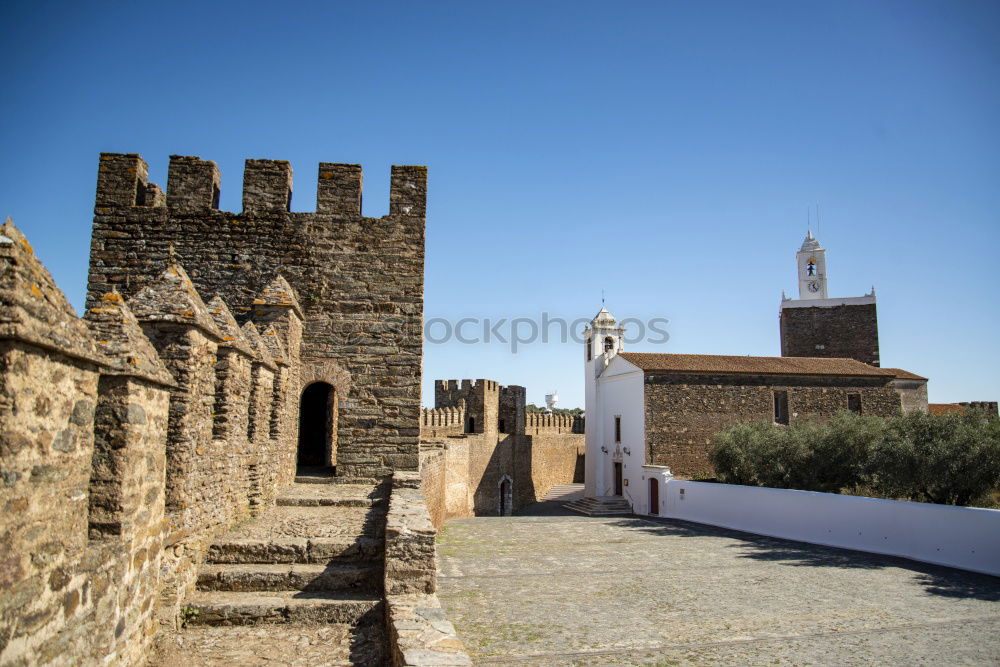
{"x": 811, "y": 260}
{"x": 603, "y": 339}
{"x": 815, "y": 325}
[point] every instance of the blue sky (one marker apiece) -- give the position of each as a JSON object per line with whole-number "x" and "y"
{"x": 663, "y": 152}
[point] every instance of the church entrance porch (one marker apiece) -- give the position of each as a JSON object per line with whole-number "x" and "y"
{"x": 317, "y": 448}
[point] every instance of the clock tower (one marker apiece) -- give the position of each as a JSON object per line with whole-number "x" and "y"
{"x": 811, "y": 260}
{"x": 815, "y": 325}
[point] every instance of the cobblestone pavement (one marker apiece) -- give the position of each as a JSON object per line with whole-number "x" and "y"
{"x": 556, "y": 589}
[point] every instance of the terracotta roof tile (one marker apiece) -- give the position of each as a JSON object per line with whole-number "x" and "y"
{"x": 719, "y": 363}
{"x": 905, "y": 375}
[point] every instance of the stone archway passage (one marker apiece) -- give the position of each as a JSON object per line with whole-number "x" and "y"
{"x": 318, "y": 426}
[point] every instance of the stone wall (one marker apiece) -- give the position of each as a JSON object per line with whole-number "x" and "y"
{"x": 537, "y": 423}
{"x": 479, "y": 457}
{"x": 83, "y": 410}
{"x": 479, "y": 398}
{"x": 912, "y": 394}
{"x": 359, "y": 280}
{"x": 839, "y": 331}
{"x": 683, "y": 413}
{"x": 419, "y": 632}
{"x": 461, "y": 475}
{"x": 442, "y": 422}
{"x": 131, "y": 438}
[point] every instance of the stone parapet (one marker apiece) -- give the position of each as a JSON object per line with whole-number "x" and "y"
{"x": 410, "y": 565}
{"x": 420, "y": 634}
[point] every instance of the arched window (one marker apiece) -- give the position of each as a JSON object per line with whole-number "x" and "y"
{"x": 811, "y": 268}
{"x": 609, "y": 344}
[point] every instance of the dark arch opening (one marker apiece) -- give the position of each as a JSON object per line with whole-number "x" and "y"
{"x": 506, "y": 497}
{"x": 318, "y": 426}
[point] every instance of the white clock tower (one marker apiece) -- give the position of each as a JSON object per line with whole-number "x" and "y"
{"x": 811, "y": 259}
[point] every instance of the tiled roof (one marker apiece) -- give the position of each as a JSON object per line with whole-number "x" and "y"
{"x": 905, "y": 375}
{"x": 719, "y": 363}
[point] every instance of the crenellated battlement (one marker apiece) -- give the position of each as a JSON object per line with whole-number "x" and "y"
{"x": 194, "y": 187}
{"x": 169, "y": 428}
{"x": 347, "y": 283}
{"x": 536, "y": 423}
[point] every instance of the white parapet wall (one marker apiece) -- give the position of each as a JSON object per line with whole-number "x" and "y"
{"x": 962, "y": 537}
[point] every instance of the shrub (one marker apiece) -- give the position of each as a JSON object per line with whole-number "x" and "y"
{"x": 947, "y": 459}
{"x": 942, "y": 459}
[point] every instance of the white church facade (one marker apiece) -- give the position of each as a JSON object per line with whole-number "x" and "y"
{"x": 652, "y": 416}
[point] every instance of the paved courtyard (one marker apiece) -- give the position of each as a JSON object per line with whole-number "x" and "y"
{"x": 549, "y": 588}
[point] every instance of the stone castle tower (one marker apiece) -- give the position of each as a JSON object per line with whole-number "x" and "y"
{"x": 815, "y": 325}
{"x": 359, "y": 283}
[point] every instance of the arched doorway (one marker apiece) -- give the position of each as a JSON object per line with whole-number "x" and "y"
{"x": 506, "y": 493}
{"x": 318, "y": 426}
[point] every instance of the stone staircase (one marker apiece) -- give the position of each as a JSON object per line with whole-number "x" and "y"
{"x": 315, "y": 558}
{"x": 600, "y": 506}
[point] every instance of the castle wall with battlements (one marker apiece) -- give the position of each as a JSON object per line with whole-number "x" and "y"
{"x": 359, "y": 280}
{"x": 478, "y": 437}
{"x": 133, "y": 436}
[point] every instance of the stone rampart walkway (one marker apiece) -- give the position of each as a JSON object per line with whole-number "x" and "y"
{"x": 554, "y": 589}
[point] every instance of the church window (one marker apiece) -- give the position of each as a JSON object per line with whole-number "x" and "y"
{"x": 854, "y": 403}
{"x": 781, "y": 407}
{"x": 609, "y": 344}
{"x": 618, "y": 429}
{"x": 811, "y": 268}
{"x": 590, "y": 349}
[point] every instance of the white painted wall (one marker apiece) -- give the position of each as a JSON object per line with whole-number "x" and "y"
{"x": 619, "y": 392}
{"x": 962, "y": 537}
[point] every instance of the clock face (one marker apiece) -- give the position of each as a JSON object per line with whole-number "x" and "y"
{"x": 813, "y": 286}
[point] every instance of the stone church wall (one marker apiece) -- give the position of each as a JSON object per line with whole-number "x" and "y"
{"x": 849, "y": 331}
{"x": 683, "y": 413}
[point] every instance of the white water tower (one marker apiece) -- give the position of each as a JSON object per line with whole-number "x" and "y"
{"x": 550, "y": 401}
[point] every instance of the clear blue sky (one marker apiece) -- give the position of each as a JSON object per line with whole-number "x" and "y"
{"x": 665, "y": 152}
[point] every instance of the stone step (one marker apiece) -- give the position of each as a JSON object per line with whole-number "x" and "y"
{"x": 331, "y": 495}
{"x": 251, "y": 608}
{"x": 290, "y": 550}
{"x": 601, "y": 507}
{"x": 282, "y": 577}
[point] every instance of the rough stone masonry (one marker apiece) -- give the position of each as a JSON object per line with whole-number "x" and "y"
{"x": 359, "y": 280}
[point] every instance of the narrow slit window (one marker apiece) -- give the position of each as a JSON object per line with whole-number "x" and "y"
{"x": 781, "y": 407}
{"x": 618, "y": 429}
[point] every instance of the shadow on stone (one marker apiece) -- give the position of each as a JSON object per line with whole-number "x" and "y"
{"x": 936, "y": 580}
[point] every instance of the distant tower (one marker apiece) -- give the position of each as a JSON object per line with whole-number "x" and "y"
{"x": 811, "y": 260}
{"x": 603, "y": 339}
{"x": 551, "y": 400}
{"x": 814, "y": 325}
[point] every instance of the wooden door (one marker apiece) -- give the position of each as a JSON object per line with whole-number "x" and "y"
{"x": 654, "y": 496}
{"x": 618, "y": 478}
